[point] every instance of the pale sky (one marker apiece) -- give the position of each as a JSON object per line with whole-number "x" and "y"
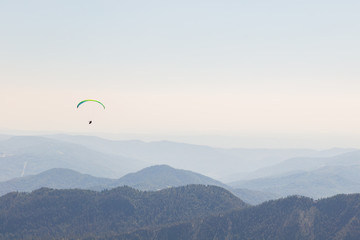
{"x": 279, "y": 70}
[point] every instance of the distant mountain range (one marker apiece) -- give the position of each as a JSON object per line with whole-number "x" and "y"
{"x": 319, "y": 183}
{"x": 151, "y": 178}
{"x": 107, "y": 164}
{"x": 308, "y": 164}
{"x": 27, "y": 155}
{"x": 194, "y": 212}
{"x": 58, "y": 178}
{"x": 226, "y": 165}
{"x": 312, "y": 177}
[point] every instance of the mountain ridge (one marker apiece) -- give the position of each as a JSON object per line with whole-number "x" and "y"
{"x": 193, "y": 212}
{"x": 294, "y": 217}
{"x": 83, "y": 213}
{"x": 149, "y": 179}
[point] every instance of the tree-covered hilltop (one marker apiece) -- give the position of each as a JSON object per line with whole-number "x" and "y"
{"x": 48, "y": 213}
{"x": 193, "y": 212}
{"x": 295, "y": 217}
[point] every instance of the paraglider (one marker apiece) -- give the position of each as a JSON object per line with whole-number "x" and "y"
{"x": 90, "y": 100}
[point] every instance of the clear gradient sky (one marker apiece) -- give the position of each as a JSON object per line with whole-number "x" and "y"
{"x": 279, "y": 70}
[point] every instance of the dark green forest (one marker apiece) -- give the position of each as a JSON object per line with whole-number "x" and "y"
{"x": 79, "y": 214}
{"x": 190, "y": 212}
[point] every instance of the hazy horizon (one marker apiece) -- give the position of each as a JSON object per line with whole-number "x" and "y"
{"x": 274, "y": 141}
{"x": 259, "y": 74}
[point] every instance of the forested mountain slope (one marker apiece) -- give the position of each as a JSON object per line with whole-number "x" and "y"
{"x": 48, "y": 213}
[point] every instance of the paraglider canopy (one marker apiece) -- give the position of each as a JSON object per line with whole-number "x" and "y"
{"x": 86, "y": 109}
{"x": 90, "y": 100}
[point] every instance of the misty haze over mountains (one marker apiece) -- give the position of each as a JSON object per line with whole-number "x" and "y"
{"x": 149, "y": 179}
{"x": 24, "y": 155}
{"x": 319, "y": 183}
{"x": 262, "y": 173}
{"x": 116, "y": 158}
{"x": 134, "y": 189}
{"x": 219, "y": 163}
